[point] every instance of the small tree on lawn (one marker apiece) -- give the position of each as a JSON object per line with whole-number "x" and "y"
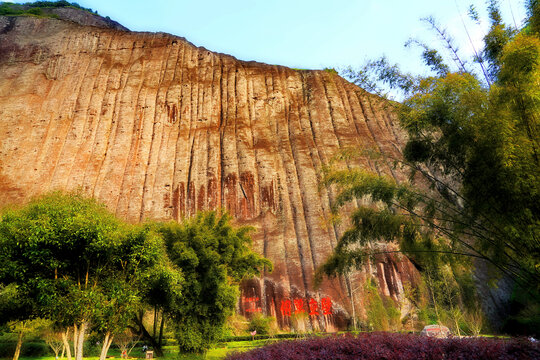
{"x": 53, "y": 338}
{"x": 126, "y": 341}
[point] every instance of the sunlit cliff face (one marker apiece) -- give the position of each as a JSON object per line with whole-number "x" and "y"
{"x": 157, "y": 128}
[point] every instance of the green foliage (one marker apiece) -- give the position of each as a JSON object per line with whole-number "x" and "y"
{"x": 331, "y": 71}
{"x": 65, "y": 257}
{"x": 237, "y": 325}
{"x": 379, "y": 75}
{"x": 533, "y": 8}
{"x": 428, "y": 316}
{"x": 7, "y": 9}
{"x": 382, "y": 315}
{"x": 36, "y": 8}
{"x": 524, "y": 314}
{"x": 262, "y": 324}
{"x": 35, "y": 11}
{"x": 29, "y": 349}
{"x": 213, "y": 256}
{"x": 35, "y": 349}
{"x": 476, "y": 145}
{"x": 74, "y": 262}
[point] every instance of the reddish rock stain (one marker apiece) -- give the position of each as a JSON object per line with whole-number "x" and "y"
{"x": 229, "y": 187}
{"x": 213, "y": 195}
{"x": 201, "y": 199}
{"x": 267, "y": 197}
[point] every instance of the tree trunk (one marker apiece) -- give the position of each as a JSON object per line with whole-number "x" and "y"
{"x": 80, "y": 340}
{"x": 349, "y": 284}
{"x": 18, "y": 348}
{"x": 67, "y": 347}
{"x": 155, "y": 321}
{"x": 106, "y": 345}
{"x": 160, "y": 340}
{"x": 158, "y": 352}
{"x": 75, "y": 339}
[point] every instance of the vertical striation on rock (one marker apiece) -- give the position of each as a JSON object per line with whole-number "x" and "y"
{"x": 157, "y": 128}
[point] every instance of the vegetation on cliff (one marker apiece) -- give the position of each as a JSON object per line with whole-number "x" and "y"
{"x": 36, "y": 8}
{"x": 474, "y": 139}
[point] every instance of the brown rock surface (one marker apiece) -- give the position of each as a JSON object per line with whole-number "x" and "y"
{"x": 157, "y": 128}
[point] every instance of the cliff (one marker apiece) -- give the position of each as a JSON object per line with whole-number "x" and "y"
{"x": 157, "y": 128}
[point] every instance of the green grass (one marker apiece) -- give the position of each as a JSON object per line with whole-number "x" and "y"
{"x": 171, "y": 352}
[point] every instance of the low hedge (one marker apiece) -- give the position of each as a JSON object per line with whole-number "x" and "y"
{"x": 259, "y": 337}
{"x": 394, "y": 346}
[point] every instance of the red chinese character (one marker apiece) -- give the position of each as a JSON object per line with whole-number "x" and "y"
{"x": 286, "y": 307}
{"x": 313, "y": 307}
{"x": 251, "y": 304}
{"x": 298, "y": 306}
{"x": 326, "y": 306}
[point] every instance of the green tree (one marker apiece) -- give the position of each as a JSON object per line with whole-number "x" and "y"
{"x": 162, "y": 294}
{"x": 473, "y": 146}
{"x": 213, "y": 256}
{"x": 16, "y": 312}
{"x": 76, "y": 263}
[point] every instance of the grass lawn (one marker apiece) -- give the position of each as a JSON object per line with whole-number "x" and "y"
{"x": 171, "y": 352}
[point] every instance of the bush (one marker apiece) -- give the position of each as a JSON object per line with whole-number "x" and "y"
{"x": 236, "y": 325}
{"x": 382, "y": 315}
{"x": 34, "y": 349}
{"x": 7, "y": 348}
{"x": 7, "y": 9}
{"x": 395, "y": 346}
{"x": 261, "y": 324}
{"x": 331, "y": 71}
{"x": 30, "y": 348}
{"x": 35, "y": 11}
{"x": 35, "y": 8}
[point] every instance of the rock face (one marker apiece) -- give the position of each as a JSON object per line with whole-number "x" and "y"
{"x": 157, "y": 128}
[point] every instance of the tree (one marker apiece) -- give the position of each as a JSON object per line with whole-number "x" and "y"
{"x": 162, "y": 292}
{"x": 138, "y": 256}
{"x": 213, "y": 256}
{"x": 126, "y": 341}
{"x": 76, "y": 263}
{"x": 473, "y": 147}
{"x": 53, "y": 338}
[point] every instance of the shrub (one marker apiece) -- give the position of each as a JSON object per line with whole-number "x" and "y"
{"x": 394, "y": 346}
{"x": 7, "y": 9}
{"x": 34, "y": 349}
{"x": 7, "y": 347}
{"x": 331, "y": 71}
{"x": 30, "y": 348}
{"x": 236, "y": 325}
{"x": 260, "y": 323}
{"x": 35, "y": 8}
{"x": 382, "y": 315}
{"x": 35, "y": 11}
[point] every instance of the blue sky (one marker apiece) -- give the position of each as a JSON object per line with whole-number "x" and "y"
{"x": 301, "y": 33}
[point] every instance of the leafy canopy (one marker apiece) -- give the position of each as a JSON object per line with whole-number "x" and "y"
{"x": 473, "y": 146}
{"x": 74, "y": 261}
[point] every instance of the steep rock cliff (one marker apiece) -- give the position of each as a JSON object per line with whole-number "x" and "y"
{"x": 157, "y": 128}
